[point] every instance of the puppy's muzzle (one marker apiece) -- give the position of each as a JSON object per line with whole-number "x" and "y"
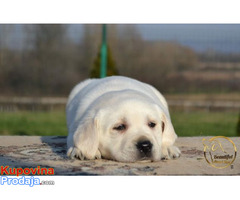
{"x": 145, "y": 148}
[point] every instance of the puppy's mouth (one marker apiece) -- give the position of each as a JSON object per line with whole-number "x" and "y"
{"x": 145, "y": 159}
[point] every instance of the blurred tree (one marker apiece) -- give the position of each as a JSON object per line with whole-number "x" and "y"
{"x": 89, "y": 46}
{"x": 52, "y": 36}
{"x": 52, "y": 62}
{"x": 128, "y": 50}
{"x": 51, "y": 57}
{"x": 111, "y": 68}
{"x": 5, "y": 33}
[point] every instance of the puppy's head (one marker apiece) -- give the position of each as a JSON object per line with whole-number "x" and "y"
{"x": 124, "y": 128}
{"x": 132, "y": 130}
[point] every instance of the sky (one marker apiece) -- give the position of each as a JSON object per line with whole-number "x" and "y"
{"x": 223, "y": 38}
{"x": 201, "y": 37}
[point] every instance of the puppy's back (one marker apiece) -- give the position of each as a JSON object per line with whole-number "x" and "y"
{"x": 86, "y": 92}
{"x": 78, "y": 88}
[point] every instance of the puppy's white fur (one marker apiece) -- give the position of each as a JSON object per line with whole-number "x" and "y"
{"x": 96, "y": 106}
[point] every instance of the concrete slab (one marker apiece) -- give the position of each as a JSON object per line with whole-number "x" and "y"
{"x": 50, "y": 152}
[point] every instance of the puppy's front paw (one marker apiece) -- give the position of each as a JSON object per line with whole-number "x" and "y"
{"x": 74, "y": 152}
{"x": 170, "y": 152}
{"x": 98, "y": 155}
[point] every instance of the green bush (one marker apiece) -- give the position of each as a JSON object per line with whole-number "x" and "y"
{"x": 238, "y": 125}
{"x": 111, "y": 68}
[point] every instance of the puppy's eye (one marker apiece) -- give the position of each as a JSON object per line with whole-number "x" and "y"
{"x": 121, "y": 127}
{"x": 151, "y": 124}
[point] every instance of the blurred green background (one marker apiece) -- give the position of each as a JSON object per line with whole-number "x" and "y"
{"x": 199, "y": 123}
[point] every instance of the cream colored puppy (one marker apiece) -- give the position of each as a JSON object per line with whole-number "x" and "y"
{"x": 121, "y": 119}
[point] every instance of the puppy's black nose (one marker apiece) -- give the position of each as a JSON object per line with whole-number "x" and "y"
{"x": 144, "y": 146}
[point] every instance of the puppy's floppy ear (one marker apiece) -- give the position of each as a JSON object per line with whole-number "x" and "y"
{"x": 168, "y": 134}
{"x": 86, "y": 139}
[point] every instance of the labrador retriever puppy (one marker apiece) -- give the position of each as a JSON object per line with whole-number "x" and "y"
{"x": 121, "y": 119}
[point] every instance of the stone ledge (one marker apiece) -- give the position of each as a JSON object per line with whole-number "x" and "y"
{"x": 50, "y": 152}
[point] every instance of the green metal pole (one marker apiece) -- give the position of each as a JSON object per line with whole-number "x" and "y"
{"x": 103, "y": 69}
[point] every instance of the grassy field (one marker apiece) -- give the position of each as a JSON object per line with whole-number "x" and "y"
{"x": 53, "y": 123}
{"x": 33, "y": 123}
{"x": 205, "y": 123}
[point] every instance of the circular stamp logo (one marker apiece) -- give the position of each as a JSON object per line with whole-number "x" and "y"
{"x": 220, "y": 151}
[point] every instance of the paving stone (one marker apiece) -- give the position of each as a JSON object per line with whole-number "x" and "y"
{"x": 50, "y": 152}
